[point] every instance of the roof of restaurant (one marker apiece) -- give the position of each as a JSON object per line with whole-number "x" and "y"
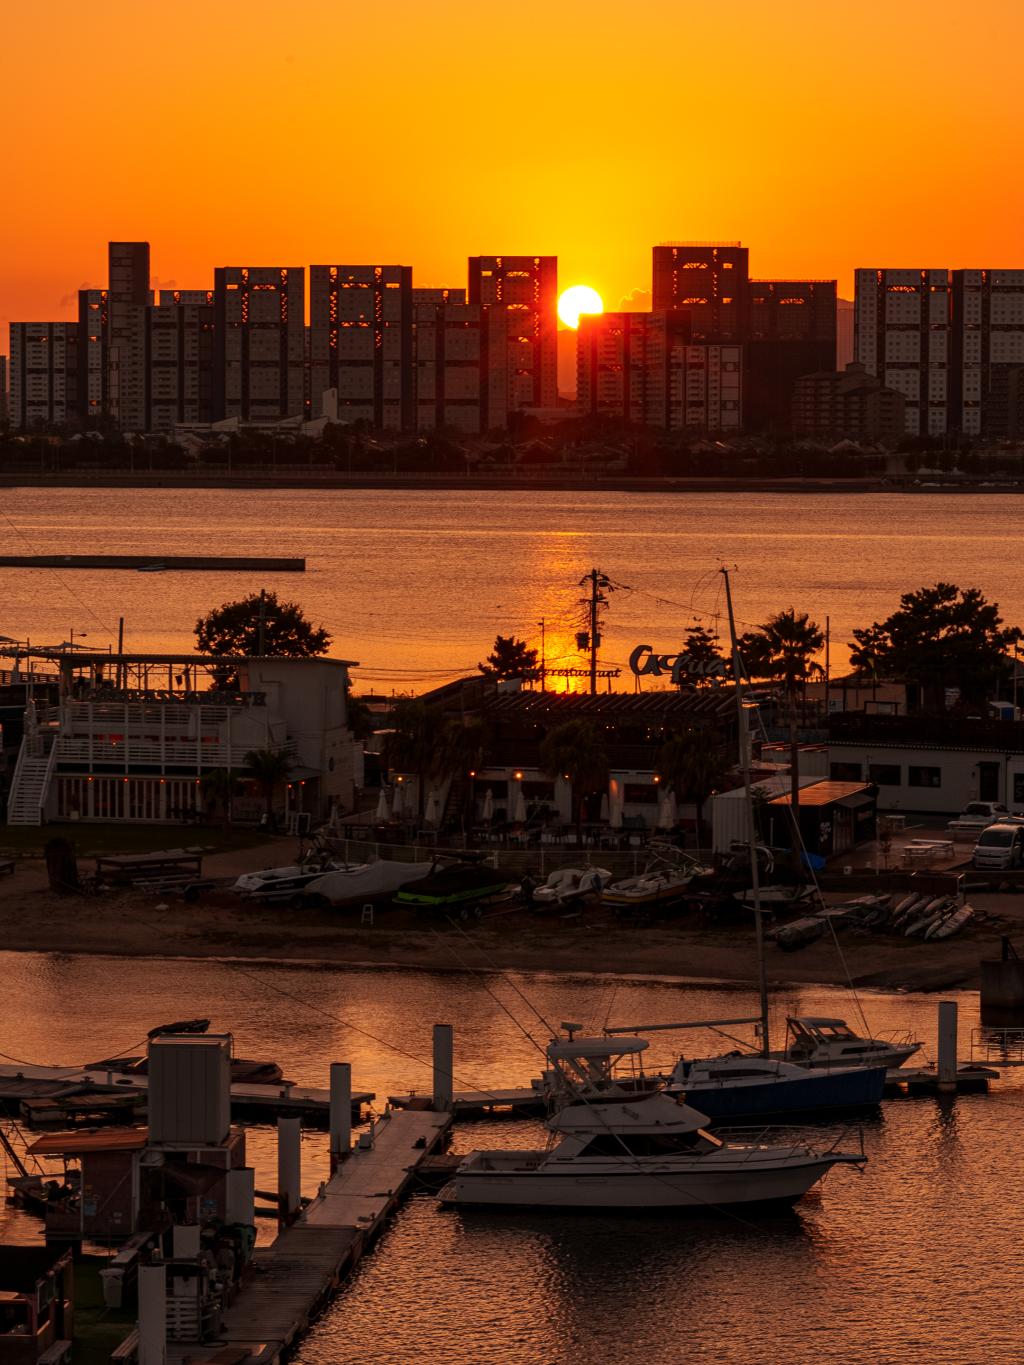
{"x": 823, "y": 793}
{"x": 711, "y": 703}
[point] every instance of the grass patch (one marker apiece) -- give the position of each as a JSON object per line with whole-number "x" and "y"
{"x": 90, "y": 839}
{"x": 98, "y": 1329}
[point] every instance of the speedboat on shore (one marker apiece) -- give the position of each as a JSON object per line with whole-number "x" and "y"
{"x": 571, "y": 885}
{"x": 358, "y": 883}
{"x": 813, "y": 1041}
{"x": 742, "y": 1086}
{"x": 664, "y": 883}
{"x": 285, "y": 883}
{"x": 624, "y": 1147}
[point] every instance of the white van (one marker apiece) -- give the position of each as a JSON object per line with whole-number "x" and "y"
{"x": 1000, "y": 846}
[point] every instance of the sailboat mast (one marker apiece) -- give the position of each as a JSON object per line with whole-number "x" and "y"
{"x": 755, "y": 879}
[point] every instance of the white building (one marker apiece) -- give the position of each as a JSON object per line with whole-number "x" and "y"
{"x": 132, "y": 737}
{"x": 902, "y": 327}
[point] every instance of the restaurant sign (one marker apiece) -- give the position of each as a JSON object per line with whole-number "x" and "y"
{"x": 682, "y": 670}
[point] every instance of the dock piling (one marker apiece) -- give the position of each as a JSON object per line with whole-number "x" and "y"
{"x": 947, "y": 1063}
{"x": 152, "y": 1314}
{"x": 341, "y": 1113}
{"x": 444, "y": 1081}
{"x": 289, "y": 1169}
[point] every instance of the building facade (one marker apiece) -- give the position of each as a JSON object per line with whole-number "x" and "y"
{"x": 987, "y": 344}
{"x": 625, "y": 366}
{"x": 94, "y": 356}
{"x": 902, "y": 330}
{"x": 128, "y": 295}
{"x": 179, "y": 361}
{"x": 848, "y": 404}
{"x": 360, "y": 337}
{"x": 460, "y": 367}
{"x": 709, "y": 280}
{"x": 43, "y": 374}
{"x": 527, "y": 287}
{"x": 259, "y": 342}
{"x": 791, "y": 331}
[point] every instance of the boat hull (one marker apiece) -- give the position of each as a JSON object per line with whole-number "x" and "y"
{"x": 842, "y": 1089}
{"x": 645, "y": 1190}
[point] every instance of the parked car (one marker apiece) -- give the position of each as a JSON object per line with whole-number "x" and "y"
{"x": 999, "y": 846}
{"x": 981, "y": 814}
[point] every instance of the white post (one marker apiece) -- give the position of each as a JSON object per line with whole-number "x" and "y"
{"x": 152, "y": 1315}
{"x": 341, "y": 1113}
{"x": 947, "y": 1046}
{"x": 289, "y": 1169}
{"x": 443, "y": 1062}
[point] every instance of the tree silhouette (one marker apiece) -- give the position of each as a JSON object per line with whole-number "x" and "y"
{"x": 693, "y": 763}
{"x": 235, "y": 628}
{"x": 576, "y": 751}
{"x": 268, "y": 768}
{"x": 510, "y": 658}
{"x": 701, "y": 656}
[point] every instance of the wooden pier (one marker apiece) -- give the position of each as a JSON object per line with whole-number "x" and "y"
{"x": 291, "y": 1279}
{"x": 526, "y": 1099}
{"x": 249, "y": 1099}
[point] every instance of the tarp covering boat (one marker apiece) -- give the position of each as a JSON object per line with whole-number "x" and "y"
{"x": 366, "y": 882}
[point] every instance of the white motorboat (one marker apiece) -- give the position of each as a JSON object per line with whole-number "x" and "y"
{"x": 360, "y": 882}
{"x": 283, "y": 883}
{"x": 663, "y": 883}
{"x": 820, "y": 1042}
{"x": 628, "y": 1145}
{"x": 570, "y": 885}
{"x": 744, "y": 1086}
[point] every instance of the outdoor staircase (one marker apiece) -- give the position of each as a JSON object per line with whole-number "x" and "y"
{"x": 30, "y": 787}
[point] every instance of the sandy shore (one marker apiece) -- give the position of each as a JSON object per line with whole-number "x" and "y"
{"x": 134, "y": 925}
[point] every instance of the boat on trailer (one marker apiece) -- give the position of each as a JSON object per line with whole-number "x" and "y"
{"x": 630, "y": 1146}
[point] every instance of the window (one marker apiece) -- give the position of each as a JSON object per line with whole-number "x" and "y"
{"x": 885, "y": 774}
{"x": 845, "y": 772}
{"x": 924, "y": 777}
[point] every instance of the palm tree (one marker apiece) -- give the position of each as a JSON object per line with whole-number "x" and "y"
{"x": 693, "y": 762}
{"x": 576, "y": 752}
{"x": 416, "y": 742}
{"x": 268, "y": 768}
{"x": 219, "y": 787}
{"x": 782, "y": 650}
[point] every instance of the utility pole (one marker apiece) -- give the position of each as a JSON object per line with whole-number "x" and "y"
{"x": 543, "y": 654}
{"x": 120, "y": 651}
{"x": 262, "y": 649}
{"x": 597, "y": 580}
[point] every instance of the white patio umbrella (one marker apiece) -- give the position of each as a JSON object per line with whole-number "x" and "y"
{"x": 383, "y": 809}
{"x": 518, "y": 815}
{"x": 666, "y": 815}
{"x": 432, "y": 815}
{"x": 605, "y": 809}
{"x": 615, "y": 811}
{"x": 398, "y": 804}
{"x": 488, "y": 811}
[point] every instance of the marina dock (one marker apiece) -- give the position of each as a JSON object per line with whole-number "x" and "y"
{"x": 60, "y": 1087}
{"x": 153, "y": 563}
{"x": 526, "y": 1099}
{"x": 292, "y": 1278}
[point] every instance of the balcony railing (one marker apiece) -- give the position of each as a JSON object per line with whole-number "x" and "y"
{"x": 155, "y": 754}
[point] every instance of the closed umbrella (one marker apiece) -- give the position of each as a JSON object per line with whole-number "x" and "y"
{"x": 432, "y": 815}
{"x": 605, "y": 809}
{"x": 519, "y": 806}
{"x": 488, "y": 810}
{"x": 665, "y": 811}
{"x": 398, "y": 805}
{"x": 615, "y": 811}
{"x": 383, "y": 810}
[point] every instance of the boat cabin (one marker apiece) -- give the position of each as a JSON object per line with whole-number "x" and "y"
{"x": 810, "y": 1037}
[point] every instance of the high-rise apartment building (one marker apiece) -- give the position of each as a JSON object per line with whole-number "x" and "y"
{"x": 360, "y": 343}
{"x": 179, "y": 361}
{"x": 128, "y": 295}
{"x": 902, "y": 336}
{"x": 4, "y": 409}
{"x": 527, "y": 287}
{"x": 199, "y": 297}
{"x": 259, "y": 342}
{"x": 987, "y": 342}
{"x": 791, "y": 331}
{"x": 94, "y": 357}
{"x": 44, "y": 374}
{"x": 460, "y": 358}
{"x": 441, "y": 295}
{"x": 712, "y": 389}
{"x": 709, "y": 280}
{"x": 625, "y": 364}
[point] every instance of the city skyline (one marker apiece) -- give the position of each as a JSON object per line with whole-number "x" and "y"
{"x": 783, "y": 113}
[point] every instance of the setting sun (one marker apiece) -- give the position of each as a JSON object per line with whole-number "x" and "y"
{"x": 576, "y": 301}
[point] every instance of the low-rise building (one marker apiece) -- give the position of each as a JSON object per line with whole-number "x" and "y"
{"x": 848, "y": 404}
{"x": 132, "y": 737}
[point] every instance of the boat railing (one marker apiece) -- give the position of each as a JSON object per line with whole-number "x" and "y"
{"x": 1003, "y": 1045}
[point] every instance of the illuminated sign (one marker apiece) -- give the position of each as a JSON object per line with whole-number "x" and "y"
{"x": 643, "y": 662}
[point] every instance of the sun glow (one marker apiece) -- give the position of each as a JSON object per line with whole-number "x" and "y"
{"x": 577, "y": 300}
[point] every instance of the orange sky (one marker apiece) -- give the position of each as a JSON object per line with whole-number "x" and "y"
{"x": 824, "y": 136}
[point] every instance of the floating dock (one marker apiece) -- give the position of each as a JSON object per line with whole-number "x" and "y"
{"x": 154, "y": 563}
{"x": 25, "y": 1085}
{"x": 527, "y": 1099}
{"x": 293, "y": 1277}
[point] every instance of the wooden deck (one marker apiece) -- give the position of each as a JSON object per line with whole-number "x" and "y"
{"x": 292, "y": 1278}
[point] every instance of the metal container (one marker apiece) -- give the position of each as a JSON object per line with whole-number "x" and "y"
{"x": 189, "y": 1089}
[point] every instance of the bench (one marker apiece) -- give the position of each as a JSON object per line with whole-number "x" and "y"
{"x": 57, "y": 1354}
{"x": 128, "y": 1350}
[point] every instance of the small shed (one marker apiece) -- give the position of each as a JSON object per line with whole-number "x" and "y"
{"x": 834, "y": 816}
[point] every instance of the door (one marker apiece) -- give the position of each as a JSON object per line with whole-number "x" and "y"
{"x": 988, "y": 782}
